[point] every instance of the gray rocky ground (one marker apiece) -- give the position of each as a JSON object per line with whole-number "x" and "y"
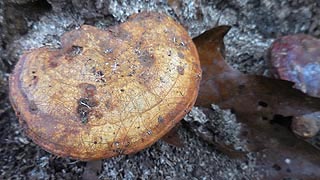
{"x": 27, "y": 24}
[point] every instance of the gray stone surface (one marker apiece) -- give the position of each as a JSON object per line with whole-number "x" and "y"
{"x": 216, "y": 126}
{"x": 196, "y": 160}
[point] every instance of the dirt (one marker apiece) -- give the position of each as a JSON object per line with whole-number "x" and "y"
{"x": 27, "y": 24}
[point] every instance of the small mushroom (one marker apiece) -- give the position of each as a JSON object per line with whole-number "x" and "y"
{"x": 107, "y": 92}
{"x": 296, "y": 58}
{"x": 307, "y": 125}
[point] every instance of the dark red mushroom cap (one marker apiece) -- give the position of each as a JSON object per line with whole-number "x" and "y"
{"x": 296, "y": 58}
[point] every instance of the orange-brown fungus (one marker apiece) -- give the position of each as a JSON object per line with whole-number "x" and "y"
{"x": 107, "y": 92}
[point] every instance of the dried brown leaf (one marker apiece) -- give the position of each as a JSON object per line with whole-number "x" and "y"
{"x": 265, "y": 106}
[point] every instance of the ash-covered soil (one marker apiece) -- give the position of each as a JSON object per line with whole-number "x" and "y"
{"x": 27, "y": 24}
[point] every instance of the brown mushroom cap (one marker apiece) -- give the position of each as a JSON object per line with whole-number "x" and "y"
{"x": 107, "y": 92}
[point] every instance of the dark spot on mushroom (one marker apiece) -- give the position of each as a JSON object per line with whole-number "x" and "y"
{"x": 98, "y": 114}
{"x": 160, "y": 18}
{"x": 180, "y": 70}
{"x": 33, "y": 107}
{"x": 182, "y": 44}
{"x": 108, "y": 50}
{"x": 99, "y": 75}
{"x": 145, "y": 78}
{"x": 131, "y": 73}
{"x": 54, "y": 60}
{"x": 162, "y": 80}
{"x": 119, "y": 32}
{"x": 53, "y": 64}
{"x": 108, "y": 104}
{"x": 160, "y": 119}
{"x": 180, "y": 55}
{"x": 75, "y": 50}
{"x": 83, "y": 111}
{"x": 181, "y": 94}
{"x": 87, "y": 90}
{"x": 34, "y": 80}
{"x": 145, "y": 58}
{"x": 87, "y": 101}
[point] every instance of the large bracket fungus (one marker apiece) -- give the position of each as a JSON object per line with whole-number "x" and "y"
{"x": 107, "y": 92}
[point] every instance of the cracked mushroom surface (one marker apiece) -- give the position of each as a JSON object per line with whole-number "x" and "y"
{"x": 107, "y": 92}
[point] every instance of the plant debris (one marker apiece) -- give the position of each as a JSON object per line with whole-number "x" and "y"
{"x": 265, "y": 106}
